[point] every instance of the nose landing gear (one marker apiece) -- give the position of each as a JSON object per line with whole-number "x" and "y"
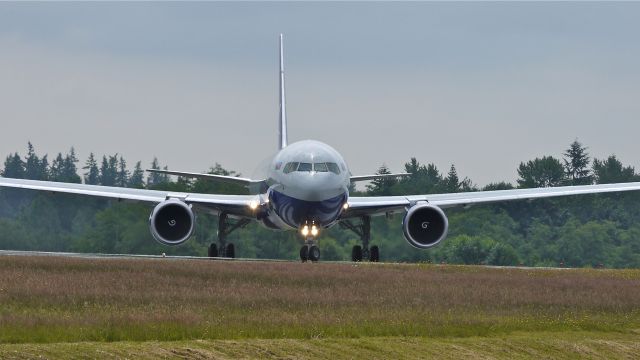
{"x": 310, "y": 251}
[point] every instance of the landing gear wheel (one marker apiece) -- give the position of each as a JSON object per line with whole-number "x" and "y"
{"x": 374, "y": 254}
{"x": 230, "y": 251}
{"x": 304, "y": 253}
{"x": 314, "y": 253}
{"x": 213, "y": 250}
{"x": 356, "y": 253}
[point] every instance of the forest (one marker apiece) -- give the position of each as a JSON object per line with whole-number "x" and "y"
{"x": 580, "y": 231}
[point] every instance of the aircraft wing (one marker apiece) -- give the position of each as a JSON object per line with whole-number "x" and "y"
{"x": 377, "y": 176}
{"x": 237, "y": 205}
{"x": 228, "y": 179}
{"x": 380, "y": 205}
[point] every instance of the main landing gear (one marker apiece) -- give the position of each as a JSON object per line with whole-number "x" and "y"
{"x": 225, "y": 227}
{"x": 362, "y": 229}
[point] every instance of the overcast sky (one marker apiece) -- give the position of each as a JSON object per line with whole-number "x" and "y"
{"x": 479, "y": 85}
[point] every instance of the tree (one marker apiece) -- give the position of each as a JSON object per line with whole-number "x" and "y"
{"x": 470, "y": 249}
{"x": 452, "y": 182}
{"x": 14, "y": 167}
{"x": 207, "y": 186}
{"x": 55, "y": 172}
{"x": 381, "y": 186}
{"x": 69, "y": 168}
{"x": 92, "y": 174}
{"x": 576, "y": 164}
{"x": 611, "y": 171}
{"x": 35, "y": 168}
{"x": 545, "y": 172}
{"x": 498, "y": 186}
{"x": 122, "y": 176}
{"x": 154, "y": 178}
{"x": 109, "y": 170}
{"x": 503, "y": 255}
{"x": 136, "y": 180}
{"x": 423, "y": 179}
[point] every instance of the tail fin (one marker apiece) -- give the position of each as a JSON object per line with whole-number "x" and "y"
{"x": 282, "y": 141}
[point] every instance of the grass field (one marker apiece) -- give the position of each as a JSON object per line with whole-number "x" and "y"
{"x": 60, "y": 306}
{"x": 543, "y": 345}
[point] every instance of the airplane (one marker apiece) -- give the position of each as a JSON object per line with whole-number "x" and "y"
{"x": 306, "y": 189}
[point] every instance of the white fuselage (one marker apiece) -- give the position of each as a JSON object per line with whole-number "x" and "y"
{"x": 308, "y": 184}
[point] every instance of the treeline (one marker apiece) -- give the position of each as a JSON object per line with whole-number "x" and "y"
{"x": 593, "y": 230}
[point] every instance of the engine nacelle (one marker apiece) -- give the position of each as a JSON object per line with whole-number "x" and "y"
{"x": 172, "y": 222}
{"x": 425, "y": 225}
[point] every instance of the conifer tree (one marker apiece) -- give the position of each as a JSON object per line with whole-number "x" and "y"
{"x": 381, "y": 186}
{"x": 452, "y": 182}
{"x": 611, "y": 171}
{"x": 122, "y": 176}
{"x": 56, "y": 170}
{"x": 109, "y": 170}
{"x": 154, "y": 178}
{"x": 136, "y": 180}
{"x": 92, "y": 173}
{"x": 14, "y": 167}
{"x": 576, "y": 164}
{"x": 69, "y": 168}
{"x": 35, "y": 169}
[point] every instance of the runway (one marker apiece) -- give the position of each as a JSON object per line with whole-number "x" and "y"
{"x": 127, "y": 256}
{"x": 205, "y": 258}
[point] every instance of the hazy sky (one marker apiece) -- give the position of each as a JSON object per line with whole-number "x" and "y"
{"x": 480, "y": 85}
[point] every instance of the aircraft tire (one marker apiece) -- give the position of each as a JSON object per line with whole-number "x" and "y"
{"x": 356, "y": 253}
{"x": 374, "y": 254}
{"x": 213, "y": 250}
{"x": 230, "y": 251}
{"x": 314, "y": 253}
{"x": 304, "y": 253}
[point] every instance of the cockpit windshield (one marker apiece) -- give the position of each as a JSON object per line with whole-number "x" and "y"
{"x": 305, "y": 167}
{"x": 290, "y": 167}
{"x": 333, "y": 167}
{"x": 320, "y": 167}
{"x": 308, "y": 167}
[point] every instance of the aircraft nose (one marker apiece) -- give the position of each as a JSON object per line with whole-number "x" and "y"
{"x": 319, "y": 186}
{"x": 315, "y": 186}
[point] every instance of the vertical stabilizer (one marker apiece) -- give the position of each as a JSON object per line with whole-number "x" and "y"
{"x": 282, "y": 140}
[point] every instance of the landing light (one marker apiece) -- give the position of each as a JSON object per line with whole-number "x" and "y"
{"x": 253, "y": 204}
{"x": 305, "y": 230}
{"x": 314, "y": 230}
{"x": 345, "y": 206}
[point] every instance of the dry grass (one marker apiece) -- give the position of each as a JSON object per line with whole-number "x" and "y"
{"x": 536, "y": 345}
{"x": 57, "y": 299}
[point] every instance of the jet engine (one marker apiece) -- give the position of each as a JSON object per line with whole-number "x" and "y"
{"x": 172, "y": 222}
{"x": 425, "y": 225}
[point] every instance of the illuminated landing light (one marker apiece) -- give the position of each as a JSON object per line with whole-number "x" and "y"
{"x": 314, "y": 230}
{"x": 345, "y": 206}
{"x": 253, "y": 204}
{"x": 305, "y": 230}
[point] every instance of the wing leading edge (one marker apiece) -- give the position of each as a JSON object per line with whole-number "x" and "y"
{"x": 377, "y": 177}
{"x": 379, "y": 205}
{"x": 248, "y": 183}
